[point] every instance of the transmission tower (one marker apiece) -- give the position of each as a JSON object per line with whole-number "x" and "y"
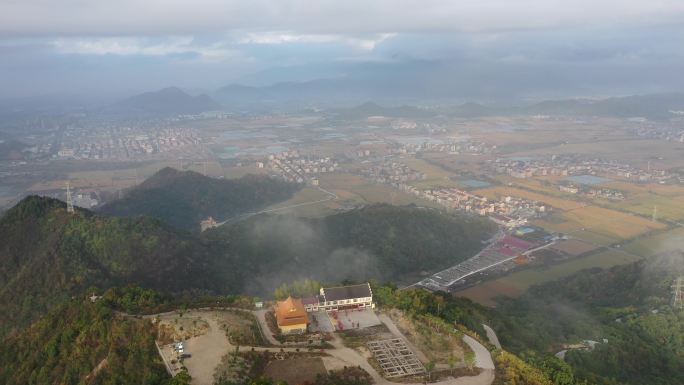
{"x": 677, "y": 300}
{"x": 655, "y": 213}
{"x": 70, "y": 201}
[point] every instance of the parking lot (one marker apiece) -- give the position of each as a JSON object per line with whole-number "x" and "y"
{"x": 354, "y": 319}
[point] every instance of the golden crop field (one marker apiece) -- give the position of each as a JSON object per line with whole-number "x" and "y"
{"x": 652, "y": 188}
{"x": 598, "y": 225}
{"x": 610, "y": 222}
{"x": 431, "y": 171}
{"x": 669, "y": 208}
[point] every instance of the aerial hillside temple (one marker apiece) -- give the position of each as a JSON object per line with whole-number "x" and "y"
{"x": 291, "y": 316}
{"x": 341, "y": 298}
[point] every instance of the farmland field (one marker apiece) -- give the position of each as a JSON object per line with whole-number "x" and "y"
{"x": 430, "y": 170}
{"x": 610, "y": 223}
{"x": 296, "y": 370}
{"x": 573, "y": 247}
{"x": 659, "y": 243}
{"x": 486, "y": 292}
{"x": 598, "y": 225}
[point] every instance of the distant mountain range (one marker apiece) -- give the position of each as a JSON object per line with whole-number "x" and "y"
{"x": 655, "y": 106}
{"x": 652, "y": 106}
{"x": 350, "y": 98}
{"x": 168, "y": 101}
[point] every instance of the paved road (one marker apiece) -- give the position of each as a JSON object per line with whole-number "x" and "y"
{"x": 483, "y": 359}
{"x": 491, "y": 336}
{"x": 263, "y": 325}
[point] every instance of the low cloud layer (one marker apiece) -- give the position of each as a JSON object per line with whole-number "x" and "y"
{"x": 123, "y": 47}
{"x": 164, "y": 17}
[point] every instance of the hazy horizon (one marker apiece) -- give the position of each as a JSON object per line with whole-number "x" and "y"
{"x": 529, "y": 49}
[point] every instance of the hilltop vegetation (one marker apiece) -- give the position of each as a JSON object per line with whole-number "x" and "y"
{"x": 183, "y": 198}
{"x": 82, "y": 342}
{"x": 48, "y": 255}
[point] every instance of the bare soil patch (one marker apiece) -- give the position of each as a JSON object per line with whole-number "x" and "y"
{"x": 296, "y": 370}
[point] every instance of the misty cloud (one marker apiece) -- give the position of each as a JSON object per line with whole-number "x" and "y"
{"x": 309, "y": 255}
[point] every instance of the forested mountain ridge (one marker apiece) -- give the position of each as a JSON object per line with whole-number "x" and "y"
{"x": 48, "y": 255}
{"x": 183, "y": 198}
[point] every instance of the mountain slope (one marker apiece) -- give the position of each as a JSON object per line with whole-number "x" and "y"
{"x": 83, "y": 343}
{"x": 184, "y": 198}
{"x": 48, "y": 255}
{"x": 167, "y": 101}
{"x": 625, "y": 308}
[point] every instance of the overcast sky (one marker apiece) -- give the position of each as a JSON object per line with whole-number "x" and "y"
{"x": 125, "y": 46}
